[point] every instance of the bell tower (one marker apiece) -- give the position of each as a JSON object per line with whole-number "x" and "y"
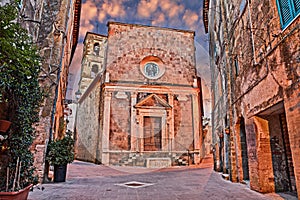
{"x": 93, "y": 58}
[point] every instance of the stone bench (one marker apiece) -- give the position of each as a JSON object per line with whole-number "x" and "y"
{"x": 158, "y": 162}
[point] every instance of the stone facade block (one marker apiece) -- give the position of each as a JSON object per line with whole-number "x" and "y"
{"x": 149, "y": 106}
{"x": 255, "y": 73}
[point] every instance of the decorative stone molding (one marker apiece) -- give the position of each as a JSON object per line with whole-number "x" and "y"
{"x": 152, "y": 67}
{"x": 121, "y": 95}
{"x": 182, "y": 97}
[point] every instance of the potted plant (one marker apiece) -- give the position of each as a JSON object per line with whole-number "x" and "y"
{"x": 20, "y": 97}
{"x": 16, "y": 192}
{"x": 60, "y": 154}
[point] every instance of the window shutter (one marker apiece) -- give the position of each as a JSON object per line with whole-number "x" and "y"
{"x": 297, "y": 5}
{"x": 285, "y": 11}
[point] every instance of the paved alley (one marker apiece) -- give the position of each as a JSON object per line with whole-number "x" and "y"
{"x": 87, "y": 181}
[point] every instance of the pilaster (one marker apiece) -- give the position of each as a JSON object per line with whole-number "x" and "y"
{"x": 106, "y": 127}
{"x": 196, "y": 128}
{"x": 133, "y": 126}
{"x": 170, "y": 128}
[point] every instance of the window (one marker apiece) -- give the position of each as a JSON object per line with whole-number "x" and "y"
{"x": 236, "y": 66}
{"x": 95, "y": 70}
{"x": 96, "y": 49}
{"x": 288, "y": 10}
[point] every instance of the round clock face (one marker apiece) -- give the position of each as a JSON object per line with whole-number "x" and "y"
{"x": 151, "y": 69}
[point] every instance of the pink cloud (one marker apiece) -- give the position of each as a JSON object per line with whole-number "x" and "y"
{"x": 191, "y": 19}
{"x": 159, "y": 19}
{"x": 88, "y": 13}
{"x": 146, "y": 8}
{"x": 171, "y": 8}
{"x": 88, "y": 10}
{"x": 113, "y": 8}
{"x": 102, "y": 16}
{"x": 85, "y": 26}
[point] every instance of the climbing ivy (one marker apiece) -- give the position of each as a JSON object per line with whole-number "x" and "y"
{"x": 19, "y": 89}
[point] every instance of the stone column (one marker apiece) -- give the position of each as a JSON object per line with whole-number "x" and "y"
{"x": 106, "y": 123}
{"x": 140, "y": 133}
{"x": 196, "y": 128}
{"x": 171, "y": 122}
{"x": 133, "y": 126}
{"x": 164, "y": 133}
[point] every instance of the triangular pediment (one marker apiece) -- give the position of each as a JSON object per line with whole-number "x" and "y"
{"x": 153, "y": 101}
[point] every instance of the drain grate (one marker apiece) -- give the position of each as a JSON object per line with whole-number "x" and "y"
{"x": 134, "y": 184}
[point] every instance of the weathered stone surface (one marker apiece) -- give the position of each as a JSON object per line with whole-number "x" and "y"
{"x": 142, "y": 115}
{"x": 255, "y": 73}
{"x": 50, "y": 23}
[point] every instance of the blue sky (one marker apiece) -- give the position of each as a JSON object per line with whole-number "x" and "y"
{"x": 178, "y": 14}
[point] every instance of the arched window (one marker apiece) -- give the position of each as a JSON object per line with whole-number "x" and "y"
{"x": 96, "y": 49}
{"x": 95, "y": 70}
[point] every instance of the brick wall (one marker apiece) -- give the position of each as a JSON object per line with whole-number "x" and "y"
{"x": 129, "y": 44}
{"x": 183, "y": 125}
{"x": 262, "y": 71}
{"x": 119, "y": 138}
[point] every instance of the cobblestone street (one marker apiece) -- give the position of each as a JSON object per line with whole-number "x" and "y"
{"x": 88, "y": 181}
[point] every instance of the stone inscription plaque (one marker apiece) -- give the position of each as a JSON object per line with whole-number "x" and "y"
{"x": 158, "y": 162}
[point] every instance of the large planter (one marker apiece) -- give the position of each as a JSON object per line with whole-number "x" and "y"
{"x": 60, "y": 172}
{"x": 18, "y": 195}
{"x": 4, "y": 125}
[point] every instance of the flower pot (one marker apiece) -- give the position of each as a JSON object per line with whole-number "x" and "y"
{"x": 18, "y": 195}
{"x": 60, "y": 172}
{"x": 4, "y": 125}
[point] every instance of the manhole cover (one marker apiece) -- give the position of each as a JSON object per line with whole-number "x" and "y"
{"x": 134, "y": 184}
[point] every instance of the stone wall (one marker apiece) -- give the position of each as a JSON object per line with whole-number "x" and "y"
{"x": 261, "y": 62}
{"x": 119, "y": 138}
{"x": 130, "y": 98}
{"x": 183, "y": 125}
{"x": 87, "y": 125}
{"x": 128, "y": 44}
{"x": 51, "y": 27}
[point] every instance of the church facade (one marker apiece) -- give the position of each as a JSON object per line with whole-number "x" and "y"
{"x": 141, "y": 100}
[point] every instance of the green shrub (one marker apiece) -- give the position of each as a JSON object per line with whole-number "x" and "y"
{"x": 61, "y": 151}
{"x": 19, "y": 89}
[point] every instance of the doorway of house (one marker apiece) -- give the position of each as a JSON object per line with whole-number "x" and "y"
{"x": 152, "y": 133}
{"x": 282, "y": 162}
{"x": 244, "y": 152}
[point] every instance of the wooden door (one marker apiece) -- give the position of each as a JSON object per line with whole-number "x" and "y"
{"x": 152, "y": 133}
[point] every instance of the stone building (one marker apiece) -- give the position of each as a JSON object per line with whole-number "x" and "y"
{"x": 54, "y": 28}
{"x": 255, "y": 64}
{"x": 141, "y": 100}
